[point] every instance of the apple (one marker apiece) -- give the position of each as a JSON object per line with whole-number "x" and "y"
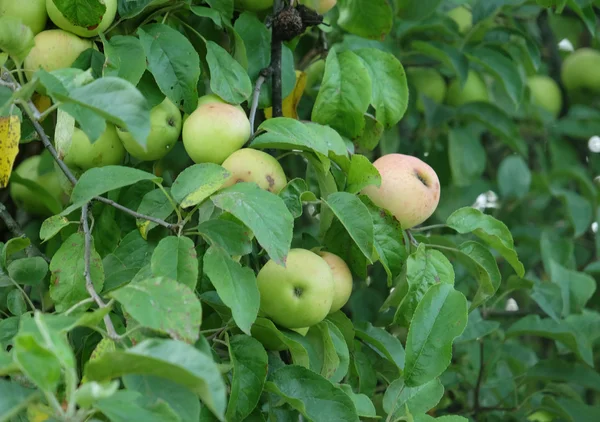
{"x": 63, "y": 23}
{"x": 320, "y": 6}
{"x": 253, "y": 5}
{"x": 298, "y": 295}
{"x": 29, "y": 200}
{"x": 251, "y": 165}
{"x": 214, "y": 131}
{"x": 105, "y": 151}
{"x": 429, "y": 82}
{"x": 545, "y": 93}
{"x": 314, "y": 76}
{"x": 474, "y": 89}
{"x": 410, "y": 188}
{"x": 342, "y": 280}
{"x": 541, "y": 416}
{"x": 463, "y": 18}
{"x": 165, "y": 127}
{"x": 54, "y": 49}
{"x": 31, "y": 12}
{"x": 569, "y": 27}
{"x": 580, "y": 74}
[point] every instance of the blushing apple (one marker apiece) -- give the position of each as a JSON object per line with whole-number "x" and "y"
{"x": 251, "y": 165}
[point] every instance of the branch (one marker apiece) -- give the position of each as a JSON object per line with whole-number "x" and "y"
{"x": 17, "y": 231}
{"x": 276, "y": 49}
{"x": 89, "y": 285}
{"x": 264, "y": 74}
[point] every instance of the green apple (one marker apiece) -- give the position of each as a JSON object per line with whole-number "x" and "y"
{"x": 541, "y": 416}
{"x": 463, "y": 18}
{"x": 54, "y": 49}
{"x": 214, "y": 131}
{"x": 253, "y": 5}
{"x": 63, "y": 23}
{"x": 314, "y": 76}
{"x": 31, "y": 12}
{"x": 320, "y": 6}
{"x": 107, "y": 150}
{"x": 298, "y": 295}
{"x": 474, "y": 89}
{"x": 165, "y": 127}
{"x": 410, "y": 188}
{"x": 429, "y": 82}
{"x": 545, "y": 93}
{"x": 29, "y": 200}
{"x": 251, "y": 165}
{"x": 569, "y": 27}
{"x": 580, "y": 74}
{"x": 342, "y": 280}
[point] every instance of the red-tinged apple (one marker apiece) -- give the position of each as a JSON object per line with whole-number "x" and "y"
{"x": 410, "y": 188}
{"x": 31, "y": 12}
{"x": 107, "y": 150}
{"x": 474, "y": 90}
{"x": 342, "y": 280}
{"x": 251, "y": 165}
{"x": 63, "y": 23}
{"x": 298, "y": 295}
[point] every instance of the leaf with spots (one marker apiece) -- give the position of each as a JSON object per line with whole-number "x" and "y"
{"x": 198, "y": 182}
{"x": 10, "y": 134}
{"x": 164, "y": 305}
{"x": 175, "y": 257}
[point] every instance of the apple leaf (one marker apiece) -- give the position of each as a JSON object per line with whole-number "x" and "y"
{"x": 264, "y": 329}
{"x": 294, "y": 193}
{"x": 52, "y": 226}
{"x": 236, "y": 286}
{"x": 364, "y": 405}
{"x": 371, "y": 19}
{"x": 15, "y": 397}
{"x": 155, "y": 203}
{"x": 264, "y": 213}
{"x": 198, "y": 182}
{"x": 120, "y": 266}
{"x": 173, "y": 62}
{"x": 400, "y": 399}
{"x": 229, "y": 80}
{"x": 385, "y": 343}
{"x": 482, "y": 265}
{"x": 125, "y": 58}
{"x": 576, "y": 287}
{"x": 28, "y": 271}
{"x": 234, "y": 238}
{"x": 490, "y": 230}
{"x": 131, "y": 8}
{"x": 290, "y": 134}
{"x": 362, "y": 173}
{"x": 312, "y": 395}
{"x": 439, "y": 318}
{"x": 447, "y": 54}
{"x": 250, "y": 362}
{"x": 125, "y": 405}
{"x": 84, "y": 13}
{"x": 175, "y": 257}
{"x": 476, "y": 328}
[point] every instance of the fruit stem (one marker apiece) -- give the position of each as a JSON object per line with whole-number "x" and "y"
{"x": 427, "y": 228}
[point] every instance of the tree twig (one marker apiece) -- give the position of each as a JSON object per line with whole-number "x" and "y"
{"x": 264, "y": 74}
{"x": 17, "y": 231}
{"x": 276, "y": 49}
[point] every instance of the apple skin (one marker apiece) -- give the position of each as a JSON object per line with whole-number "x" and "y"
{"x": 54, "y": 49}
{"x": 320, "y": 6}
{"x": 253, "y": 5}
{"x": 429, "y": 82}
{"x": 580, "y": 74}
{"x": 165, "y": 128}
{"x": 251, "y": 165}
{"x": 545, "y": 93}
{"x": 298, "y": 295}
{"x": 214, "y": 131}
{"x": 107, "y": 150}
{"x": 474, "y": 89}
{"x": 59, "y": 20}
{"x": 410, "y": 188}
{"x": 28, "y": 200}
{"x": 314, "y": 76}
{"x": 31, "y": 12}
{"x": 342, "y": 280}
{"x": 463, "y": 18}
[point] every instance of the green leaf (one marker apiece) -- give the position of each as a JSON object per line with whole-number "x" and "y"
{"x": 481, "y": 264}
{"x": 400, "y": 400}
{"x": 85, "y": 13}
{"x": 15, "y": 398}
{"x": 311, "y": 394}
{"x": 576, "y": 287}
{"x": 67, "y": 282}
{"x": 228, "y": 79}
{"x": 28, "y": 271}
{"x": 447, "y": 54}
{"x": 572, "y": 410}
{"x": 175, "y": 258}
{"x": 424, "y": 268}
{"x": 124, "y": 405}
{"x": 578, "y": 209}
{"x": 382, "y": 341}
{"x": 362, "y": 174}
{"x": 466, "y": 154}
{"x": 264, "y": 213}
{"x": 333, "y": 333}
{"x": 267, "y": 333}
{"x": 52, "y": 226}
{"x": 548, "y": 297}
{"x": 364, "y": 405}
{"x": 355, "y": 217}
{"x": 533, "y": 325}
{"x": 198, "y": 182}
{"x": 294, "y": 193}
{"x": 371, "y": 134}
{"x": 233, "y": 237}
{"x": 15, "y": 302}
{"x": 344, "y": 95}
{"x": 16, "y": 38}
{"x": 562, "y": 371}
{"x": 514, "y": 177}
{"x": 132, "y": 254}
{"x": 490, "y": 230}
{"x": 388, "y": 84}
{"x": 250, "y": 362}
{"x": 236, "y": 286}
{"x": 290, "y": 134}
{"x": 440, "y": 317}
{"x": 154, "y": 204}
{"x": 170, "y": 359}
{"x": 164, "y": 305}
{"x": 371, "y": 19}
{"x": 125, "y": 58}
{"x": 13, "y": 246}
{"x": 476, "y": 328}
{"x": 38, "y": 363}
{"x": 173, "y": 62}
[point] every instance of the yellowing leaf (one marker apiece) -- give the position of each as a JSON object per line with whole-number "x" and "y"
{"x": 10, "y": 134}
{"x": 38, "y": 413}
{"x": 290, "y": 103}
{"x": 143, "y": 226}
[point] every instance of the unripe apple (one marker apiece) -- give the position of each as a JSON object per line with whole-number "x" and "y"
{"x": 253, "y": 5}
{"x": 429, "y": 82}
{"x": 63, "y": 23}
{"x": 31, "y": 12}
{"x": 107, "y": 150}
{"x": 251, "y": 165}
{"x": 214, "y": 131}
{"x": 474, "y": 89}
{"x": 463, "y": 18}
{"x": 314, "y": 76}
{"x": 54, "y": 49}
{"x": 545, "y": 93}
{"x": 298, "y": 295}
{"x": 165, "y": 127}
{"x": 342, "y": 280}
{"x": 580, "y": 73}
{"x": 410, "y": 189}
{"x": 320, "y": 6}
{"x": 29, "y": 200}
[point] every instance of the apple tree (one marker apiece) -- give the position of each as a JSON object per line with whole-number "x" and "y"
{"x": 288, "y": 210}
